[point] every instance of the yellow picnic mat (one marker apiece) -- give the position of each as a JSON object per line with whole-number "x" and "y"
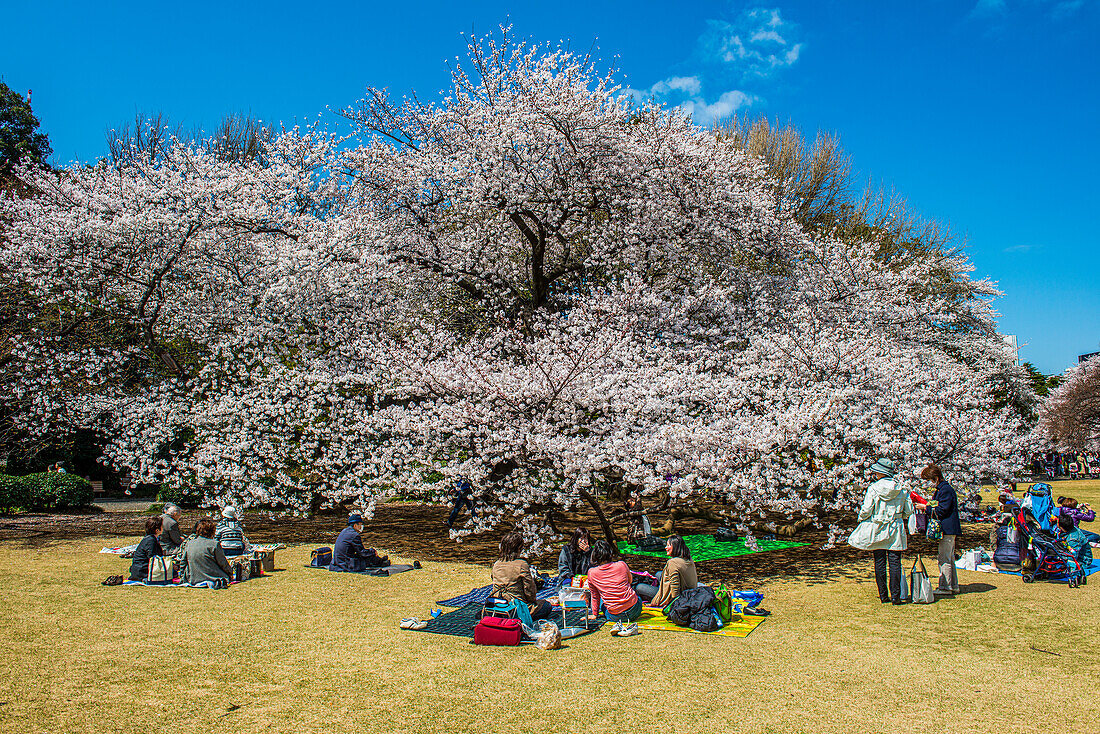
{"x": 654, "y": 619}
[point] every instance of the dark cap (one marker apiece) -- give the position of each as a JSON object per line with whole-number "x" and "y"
{"x": 354, "y": 518}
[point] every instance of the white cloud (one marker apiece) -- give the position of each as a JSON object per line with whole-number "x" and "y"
{"x": 727, "y": 104}
{"x": 1017, "y": 248}
{"x": 758, "y": 43}
{"x": 685, "y": 84}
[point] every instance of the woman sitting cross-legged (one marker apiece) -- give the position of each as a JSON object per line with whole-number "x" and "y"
{"x": 204, "y": 559}
{"x": 678, "y": 575}
{"x": 512, "y": 579}
{"x": 576, "y": 555}
{"x": 146, "y": 549}
{"x": 609, "y": 585}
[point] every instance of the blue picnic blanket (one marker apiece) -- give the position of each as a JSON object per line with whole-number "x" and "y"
{"x": 479, "y": 595}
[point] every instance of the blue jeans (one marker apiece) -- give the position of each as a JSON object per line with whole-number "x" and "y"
{"x": 645, "y": 591}
{"x": 628, "y": 615}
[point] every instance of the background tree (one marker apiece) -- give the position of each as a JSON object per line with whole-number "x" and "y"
{"x": 1070, "y": 415}
{"x": 20, "y": 138}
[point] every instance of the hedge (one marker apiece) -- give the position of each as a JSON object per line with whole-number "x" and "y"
{"x": 179, "y": 496}
{"x": 46, "y": 491}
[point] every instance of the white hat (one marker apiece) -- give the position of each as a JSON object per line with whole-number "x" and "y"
{"x": 230, "y": 512}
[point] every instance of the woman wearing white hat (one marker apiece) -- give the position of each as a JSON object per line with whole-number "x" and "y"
{"x": 882, "y": 530}
{"x": 230, "y": 534}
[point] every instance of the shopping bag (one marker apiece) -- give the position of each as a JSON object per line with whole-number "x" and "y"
{"x": 920, "y": 588}
{"x": 934, "y": 532}
{"x": 906, "y": 595}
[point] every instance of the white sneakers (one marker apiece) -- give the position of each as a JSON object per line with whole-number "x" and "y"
{"x": 413, "y": 624}
{"x": 625, "y": 630}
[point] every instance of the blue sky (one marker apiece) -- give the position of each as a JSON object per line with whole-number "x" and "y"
{"x": 983, "y": 113}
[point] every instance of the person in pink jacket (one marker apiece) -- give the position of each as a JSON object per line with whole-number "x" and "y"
{"x": 609, "y": 586}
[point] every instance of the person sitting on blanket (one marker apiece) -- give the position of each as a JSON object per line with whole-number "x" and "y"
{"x": 348, "y": 553}
{"x": 203, "y": 557}
{"x": 170, "y": 538}
{"x": 1068, "y": 507}
{"x": 678, "y": 575}
{"x": 230, "y": 534}
{"x": 146, "y": 549}
{"x": 1075, "y": 538}
{"x": 512, "y": 578}
{"x": 575, "y": 556}
{"x": 609, "y": 586}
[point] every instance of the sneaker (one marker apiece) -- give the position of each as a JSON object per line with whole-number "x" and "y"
{"x": 617, "y": 628}
{"x": 629, "y": 631}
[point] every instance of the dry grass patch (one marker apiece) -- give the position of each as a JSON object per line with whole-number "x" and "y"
{"x": 310, "y": 651}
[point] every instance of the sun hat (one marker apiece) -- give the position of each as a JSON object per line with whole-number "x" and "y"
{"x": 354, "y": 518}
{"x": 884, "y": 466}
{"x": 230, "y": 513}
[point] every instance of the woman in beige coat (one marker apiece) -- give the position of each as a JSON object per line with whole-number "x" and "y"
{"x": 678, "y": 575}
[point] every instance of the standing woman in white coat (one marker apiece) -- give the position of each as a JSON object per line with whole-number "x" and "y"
{"x": 881, "y": 529}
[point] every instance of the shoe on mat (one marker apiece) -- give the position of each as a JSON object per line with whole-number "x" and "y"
{"x": 418, "y": 624}
{"x": 628, "y": 630}
{"x": 757, "y": 611}
{"x": 617, "y": 628}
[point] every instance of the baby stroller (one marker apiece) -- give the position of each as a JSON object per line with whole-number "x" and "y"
{"x": 1047, "y": 557}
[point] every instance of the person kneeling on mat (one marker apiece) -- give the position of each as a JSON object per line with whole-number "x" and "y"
{"x": 512, "y": 579}
{"x": 348, "y": 554}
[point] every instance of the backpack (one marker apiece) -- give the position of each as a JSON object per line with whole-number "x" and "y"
{"x": 497, "y": 631}
{"x": 725, "y": 535}
{"x": 321, "y": 558}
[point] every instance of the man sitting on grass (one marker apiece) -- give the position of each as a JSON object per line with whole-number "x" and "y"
{"x": 349, "y": 553}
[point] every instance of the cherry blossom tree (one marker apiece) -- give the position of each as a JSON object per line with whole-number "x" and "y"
{"x": 532, "y": 284}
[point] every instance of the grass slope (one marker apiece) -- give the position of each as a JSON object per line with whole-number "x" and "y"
{"x": 306, "y": 651}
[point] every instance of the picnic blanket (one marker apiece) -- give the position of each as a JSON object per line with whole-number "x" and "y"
{"x": 706, "y": 548}
{"x": 380, "y": 571}
{"x": 461, "y": 622}
{"x": 990, "y": 568}
{"x": 654, "y": 619}
{"x": 120, "y": 550}
{"x": 177, "y": 584}
{"x": 480, "y": 594}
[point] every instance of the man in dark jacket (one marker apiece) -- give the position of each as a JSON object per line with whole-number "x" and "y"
{"x": 947, "y": 511}
{"x": 349, "y": 554}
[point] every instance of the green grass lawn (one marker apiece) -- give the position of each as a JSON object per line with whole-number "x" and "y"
{"x": 310, "y": 651}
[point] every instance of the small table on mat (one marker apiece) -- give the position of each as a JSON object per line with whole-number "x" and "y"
{"x": 571, "y": 597}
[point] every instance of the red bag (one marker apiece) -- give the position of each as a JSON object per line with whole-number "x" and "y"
{"x": 497, "y": 631}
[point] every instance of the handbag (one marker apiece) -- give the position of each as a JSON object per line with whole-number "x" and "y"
{"x": 161, "y": 569}
{"x": 905, "y": 594}
{"x": 934, "y": 532}
{"x": 242, "y": 568}
{"x": 498, "y": 631}
{"x": 920, "y": 588}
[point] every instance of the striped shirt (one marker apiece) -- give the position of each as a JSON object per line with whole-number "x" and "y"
{"x": 230, "y": 536}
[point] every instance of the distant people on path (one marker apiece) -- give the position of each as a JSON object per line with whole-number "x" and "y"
{"x": 946, "y": 509}
{"x": 203, "y": 557}
{"x": 576, "y": 555}
{"x": 678, "y": 575}
{"x": 170, "y": 538}
{"x": 512, "y": 578}
{"x": 230, "y": 533}
{"x": 609, "y": 586}
{"x": 882, "y": 528}
{"x": 146, "y": 549}
{"x": 461, "y": 499}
